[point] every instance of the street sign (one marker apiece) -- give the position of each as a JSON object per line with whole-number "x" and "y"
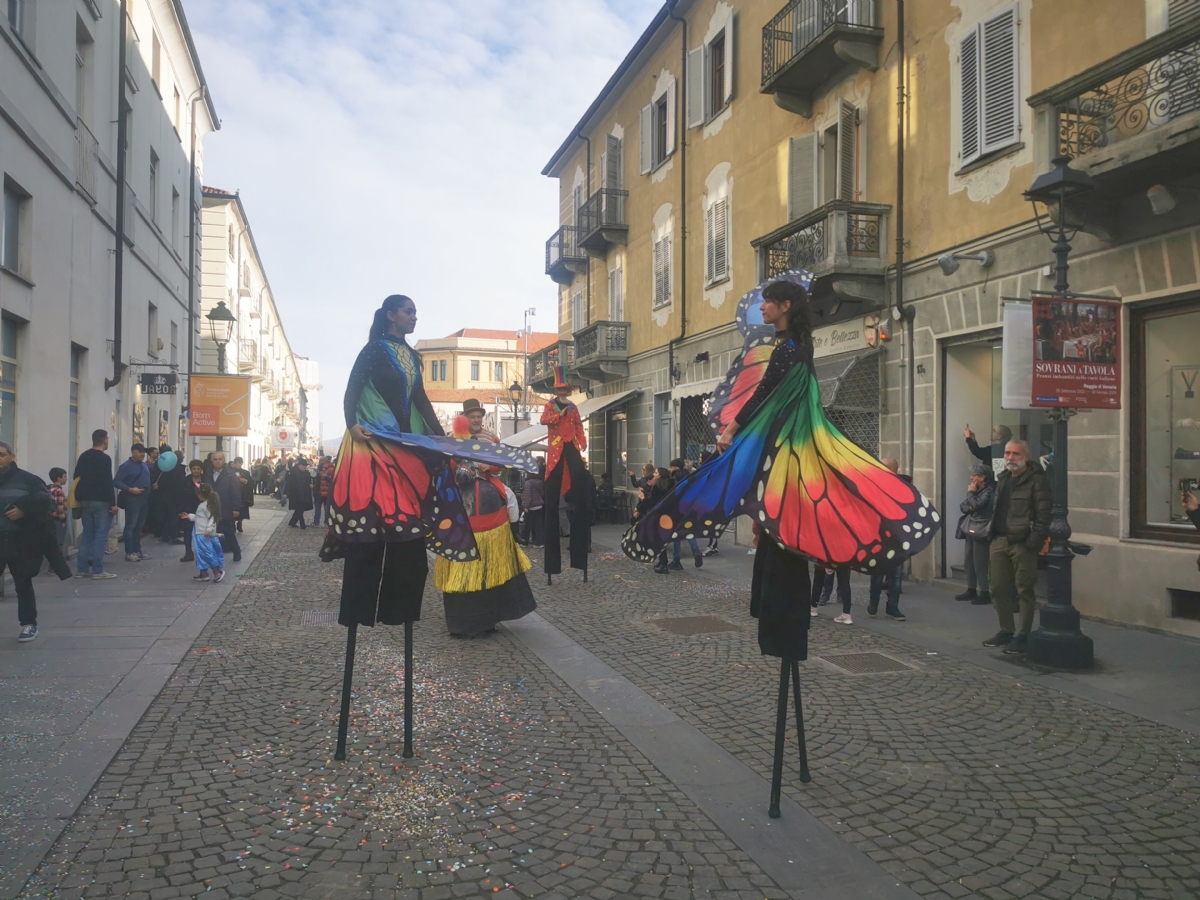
{"x": 285, "y": 437}
{"x": 219, "y": 405}
{"x": 154, "y": 383}
{"x": 1076, "y": 352}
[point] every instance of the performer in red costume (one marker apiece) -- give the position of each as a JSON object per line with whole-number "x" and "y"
{"x": 565, "y": 478}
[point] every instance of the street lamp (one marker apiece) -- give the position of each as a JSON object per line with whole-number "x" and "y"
{"x": 1058, "y": 641}
{"x": 220, "y": 329}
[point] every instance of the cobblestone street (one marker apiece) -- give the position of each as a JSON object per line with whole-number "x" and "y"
{"x": 958, "y": 781}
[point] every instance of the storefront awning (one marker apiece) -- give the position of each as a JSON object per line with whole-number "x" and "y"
{"x": 537, "y": 433}
{"x": 850, "y": 381}
{"x": 695, "y": 389}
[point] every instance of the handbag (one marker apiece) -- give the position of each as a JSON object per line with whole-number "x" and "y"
{"x": 122, "y": 499}
{"x": 977, "y": 531}
{"x": 74, "y": 504}
{"x": 960, "y": 532}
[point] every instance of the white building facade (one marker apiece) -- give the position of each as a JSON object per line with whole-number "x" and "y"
{"x": 66, "y": 367}
{"x": 312, "y": 431}
{"x": 233, "y": 274}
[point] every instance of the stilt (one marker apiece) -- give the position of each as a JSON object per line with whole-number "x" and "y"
{"x": 804, "y": 776}
{"x": 780, "y": 728}
{"x": 549, "y": 578}
{"x": 347, "y": 681}
{"x": 408, "y": 689}
{"x": 585, "y": 574}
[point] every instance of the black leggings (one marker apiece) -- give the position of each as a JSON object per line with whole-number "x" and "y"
{"x": 298, "y": 518}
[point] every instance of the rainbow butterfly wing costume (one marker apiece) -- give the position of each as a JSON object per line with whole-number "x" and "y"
{"x": 801, "y": 481}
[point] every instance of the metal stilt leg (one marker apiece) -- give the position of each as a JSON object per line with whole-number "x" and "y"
{"x": 780, "y": 728}
{"x": 347, "y": 681}
{"x": 804, "y": 776}
{"x": 408, "y": 689}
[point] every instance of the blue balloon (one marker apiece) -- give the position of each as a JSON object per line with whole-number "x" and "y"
{"x": 167, "y": 461}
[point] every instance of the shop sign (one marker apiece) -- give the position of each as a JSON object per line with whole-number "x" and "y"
{"x": 845, "y": 337}
{"x": 219, "y": 405}
{"x": 285, "y": 437}
{"x": 1076, "y": 352}
{"x": 153, "y": 383}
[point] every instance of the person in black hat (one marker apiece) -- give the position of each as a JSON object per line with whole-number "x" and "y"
{"x": 475, "y": 413}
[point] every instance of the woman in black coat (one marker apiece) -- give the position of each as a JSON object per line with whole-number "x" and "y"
{"x": 299, "y": 492}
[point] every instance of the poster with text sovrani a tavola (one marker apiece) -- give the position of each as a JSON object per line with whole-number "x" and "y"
{"x": 1076, "y": 352}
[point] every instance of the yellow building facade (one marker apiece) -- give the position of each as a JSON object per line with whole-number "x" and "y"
{"x": 737, "y": 140}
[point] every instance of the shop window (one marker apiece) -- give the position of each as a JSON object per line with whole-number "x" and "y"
{"x": 695, "y": 437}
{"x": 1165, "y": 419}
{"x": 8, "y": 381}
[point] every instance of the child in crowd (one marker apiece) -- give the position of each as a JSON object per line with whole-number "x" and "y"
{"x": 58, "y": 509}
{"x": 206, "y": 543}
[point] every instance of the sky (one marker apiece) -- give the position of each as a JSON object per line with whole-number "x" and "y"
{"x": 396, "y": 146}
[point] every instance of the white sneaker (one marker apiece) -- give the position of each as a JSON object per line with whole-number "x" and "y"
{"x": 812, "y": 611}
{"x": 844, "y": 619}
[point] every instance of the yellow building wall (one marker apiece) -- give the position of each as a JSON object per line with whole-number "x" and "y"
{"x": 1058, "y": 38}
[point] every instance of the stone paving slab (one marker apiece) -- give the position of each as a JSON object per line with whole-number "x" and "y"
{"x": 227, "y": 787}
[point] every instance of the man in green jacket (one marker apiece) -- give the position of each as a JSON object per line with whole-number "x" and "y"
{"x": 1020, "y": 526}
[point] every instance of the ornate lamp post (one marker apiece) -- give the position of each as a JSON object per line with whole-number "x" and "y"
{"x": 514, "y": 399}
{"x": 220, "y": 329}
{"x": 1058, "y": 642}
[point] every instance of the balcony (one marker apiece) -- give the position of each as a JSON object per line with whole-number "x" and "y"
{"x": 86, "y": 147}
{"x": 602, "y": 222}
{"x": 564, "y": 259}
{"x": 844, "y": 245}
{"x": 1131, "y": 122}
{"x": 602, "y": 351}
{"x": 811, "y": 41}
{"x": 539, "y": 372}
{"x": 247, "y": 356}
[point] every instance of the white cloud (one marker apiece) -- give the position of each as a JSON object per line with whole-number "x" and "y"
{"x": 396, "y": 147}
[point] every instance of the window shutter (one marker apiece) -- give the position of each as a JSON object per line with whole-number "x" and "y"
{"x": 710, "y": 243}
{"x": 671, "y": 118}
{"x": 616, "y": 296}
{"x": 802, "y": 175}
{"x": 667, "y": 269}
{"x": 968, "y": 65}
{"x": 577, "y": 311}
{"x": 647, "y": 137}
{"x": 1001, "y": 115}
{"x": 847, "y": 135}
{"x": 658, "y": 286}
{"x": 729, "y": 56}
{"x": 722, "y": 231}
{"x": 695, "y": 87}
{"x": 1178, "y": 11}
{"x": 611, "y": 164}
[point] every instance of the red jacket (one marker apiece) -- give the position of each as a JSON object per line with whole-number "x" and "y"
{"x": 564, "y": 427}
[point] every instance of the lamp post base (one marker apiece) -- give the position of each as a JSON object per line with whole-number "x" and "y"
{"x": 1058, "y": 642}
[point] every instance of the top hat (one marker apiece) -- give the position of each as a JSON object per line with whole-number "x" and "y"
{"x": 471, "y": 405}
{"x": 560, "y": 377}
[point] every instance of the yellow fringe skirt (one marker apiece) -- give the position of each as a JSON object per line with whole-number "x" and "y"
{"x": 500, "y": 561}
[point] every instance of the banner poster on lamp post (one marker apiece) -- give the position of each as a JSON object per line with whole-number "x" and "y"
{"x": 1076, "y": 352}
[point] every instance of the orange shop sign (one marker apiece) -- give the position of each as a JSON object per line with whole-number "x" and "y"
{"x": 219, "y": 405}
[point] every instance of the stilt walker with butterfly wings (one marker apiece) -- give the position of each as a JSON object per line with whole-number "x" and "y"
{"x": 811, "y": 492}
{"x": 394, "y": 493}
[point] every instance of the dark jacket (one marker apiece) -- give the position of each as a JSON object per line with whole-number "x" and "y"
{"x": 186, "y": 498}
{"x": 1022, "y": 509}
{"x": 299, "y": 490}
{"x": 653, "y": 494}
{"x": 95, "y": 473}
{"x": 979, "y": 505}
{"x": 32, "y": 536}
{"x": 533, "y": 495}
{"x": 228, "y": 490}
{"x": 247, "y": 488}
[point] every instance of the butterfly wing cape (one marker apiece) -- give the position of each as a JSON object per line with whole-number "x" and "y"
{"x": 804, "y": 483}
{"x": 741, "y": 382}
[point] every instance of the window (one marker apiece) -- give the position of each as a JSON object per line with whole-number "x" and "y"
{"x": 716, "y": 241}
{"x": 175, "y": 220}
{"x": 498, "y": 372}
{"x": 577, "y": 312}
{"x": 990, "y": 95}
{"x": 1164, "y": 369}
{"x": 1179, "y": 10}
{"x": 824, "y": 167}
{"x": 156, "y": 61}
{"x": 174, "y": 343}
{"x": 128, "y": 142}
{"x": 153, "y": 187}
{"x": 246, "y": 274}
{"x": 13, "y": 228}
{"x": 710, "y": 76}
{"x": 73, "y": 408}
{"x": 176, "y": 118}
{"x": 577, "y": 201}
{"x": 8, "y": 381}
{"x": 152, "y": 331}
{"x": 662, "y": 272}
{"x": 443, "y": 370}
{"x": 231, "y": 242}
{"x": 616, "y": 295}
{"x": 658, "y": 129}
{"x": 610, "y": 163}
{"x": 83, "y": 72}
{"x": 16, "y": 16}
{"x": 474, "y": 370}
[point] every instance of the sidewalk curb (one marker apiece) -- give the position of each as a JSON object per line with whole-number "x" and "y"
{"x": 93, "y": 746}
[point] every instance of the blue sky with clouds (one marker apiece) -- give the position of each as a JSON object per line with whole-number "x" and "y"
{"x": 395, "y": 146}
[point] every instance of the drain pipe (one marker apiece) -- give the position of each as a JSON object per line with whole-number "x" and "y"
{"x": 904, "y": 313}
{"x": 587, "y": 190}
{"x": 683, "y": 54}
{"x": 192, "y": 214}
{"x": 119, "y": 262}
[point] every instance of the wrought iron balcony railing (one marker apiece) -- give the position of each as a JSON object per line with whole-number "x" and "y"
{"x": 1149, "y": 88}
{"x": 809, "y": 41}
{"x": 86, "y": 147}
{"x": 540, "y": 370}
{"x": 602, "y": 350}
{"x": 564, "y": 257}
{"x": 837, "y": 237}
{"x": 247, "y": 355}
{"x": 602, "y": 221}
